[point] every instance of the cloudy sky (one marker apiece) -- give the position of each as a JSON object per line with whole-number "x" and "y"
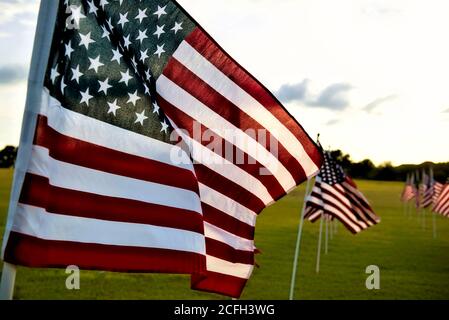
{"x": 372, "y": 76}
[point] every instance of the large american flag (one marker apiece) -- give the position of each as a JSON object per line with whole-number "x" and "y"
{"x": 102, "y": 189}
{"x": 442, "y": 203}
{"x": 335, "y": 194}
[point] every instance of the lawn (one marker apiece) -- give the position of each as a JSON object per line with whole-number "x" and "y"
{"x": 412, "y": 264}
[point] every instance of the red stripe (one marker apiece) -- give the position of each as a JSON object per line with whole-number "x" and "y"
{"x": 85, "y": 154}
{"x": 250, "y": 165}
{"x": 209, "y": 49}
{"x": 34, "y": 252}
{"x": 226, "y": 222}
{"x": 225, "y": 252}
{"x": 37, "y": 191}
{"x": 199, "y": 89}
{"x": 218, "y": 283}
{"x": 227, "y": 187}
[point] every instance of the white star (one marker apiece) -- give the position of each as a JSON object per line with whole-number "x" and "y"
{"x": 120, "y": 1}
{"x": 123, "y": 19}
{"x": 113, "y": 107}
{"x": 141, "y": 15}
{"x": 127, "y": 42}
{"x": 147, "y": 90}
{"x": 133, "y": 97}
{"x": 105, "y": 32}
{"x": 76, "y": 74}
{"x": 54, "y": 74}
{"x": 125, "y": 77}
{"x": 159, "y": 31}
{"x": 63, "y": 85}
{"x": 160, "y": 50}
{"x": 142, "y": 35}
{"x": 164, "y": 126}
{"x": 103, "y": 3}
{"x": 143, "y": 55}
{"x": 156, "y": 108}
{"x": 85, "y": 97}
{"x": 68, "y": 49}
{"x": 76, "y": 14}
{"x": 92, "y": 8}
{"x": 86, "y": 40}
{"x": 95, "y": 63}
{"x": 104, "y": 86}
{"x": 116, "y": 55}
{"x": 141, "y": 117}
{"x": 177, "y": 27}
{"x": 148, "y": 75}
{"x": 160, "y": 11}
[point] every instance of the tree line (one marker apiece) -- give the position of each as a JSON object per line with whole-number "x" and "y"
{"x": 366, "y": 169}
{"x": 8, "y": 157}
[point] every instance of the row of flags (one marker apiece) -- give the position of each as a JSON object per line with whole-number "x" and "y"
{"x": 427, "y": 193}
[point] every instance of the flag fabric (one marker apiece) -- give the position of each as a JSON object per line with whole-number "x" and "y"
{"x": 123, "y": 176}
{"x": 442, "y": 203}
{"x": 408, "y": 191}
{"x": 335, "y": 193}
{"x": 438, "y": 187}
{"x": 428, "y": 186}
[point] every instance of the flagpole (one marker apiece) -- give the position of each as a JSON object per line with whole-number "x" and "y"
{"x": 326, "y": 243}
{"x": 298, "y": 242}
{"x": 318, "y": 254}
{"x": 41, "y": 50}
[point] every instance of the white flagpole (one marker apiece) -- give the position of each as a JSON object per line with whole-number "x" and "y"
{"x": 434, "y": 221}
{"x": 298, "y": 242}
{"x": 318, "y": 254}
{"x": 331, "y": 228}
{"x": 326, "y": 244}
{"x": 41, "y": 50}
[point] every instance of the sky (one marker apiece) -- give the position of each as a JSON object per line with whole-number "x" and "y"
{"x": 371, "y": 76}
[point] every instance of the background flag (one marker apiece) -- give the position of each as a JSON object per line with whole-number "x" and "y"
{"x": 335, "y": 193}
{"x": 442, "y": 204}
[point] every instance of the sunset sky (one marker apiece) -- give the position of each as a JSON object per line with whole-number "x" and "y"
{"x": 371, "y": 76}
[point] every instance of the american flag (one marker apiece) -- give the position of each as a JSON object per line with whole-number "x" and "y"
{"x": 102, "y": 189}
{"x": 442, "y": 203}
{"x": 408, "y": 192}
{"x": 335, "y": 193}
{"x": 427, "y": 190}
{"x": 438, "y": 187}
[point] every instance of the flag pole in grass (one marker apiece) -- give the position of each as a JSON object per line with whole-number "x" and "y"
{"x": 41, "y": 50}
{"x": 423, "y": 210}
{"x": 298, "y": 242}
{"x": 318, "y": 254}
{"x": 434, "y": 221}
{"x": 326, "y": 243}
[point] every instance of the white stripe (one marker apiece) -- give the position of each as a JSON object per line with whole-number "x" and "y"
{"x": 78, "y": 126}
{"x": 39, "y": 223}
{"x": 213, "y": 161}
{"x": 210, "y": 74}
{"x": 185, "y": 102}
{"x": 69, "y": 176}
{"x": 239, "y": 243}
{"x": 227, "y": 205}
{"x": 239, "y": 270}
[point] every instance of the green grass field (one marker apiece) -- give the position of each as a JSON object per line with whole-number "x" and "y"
{"x": 412, "y": 264}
